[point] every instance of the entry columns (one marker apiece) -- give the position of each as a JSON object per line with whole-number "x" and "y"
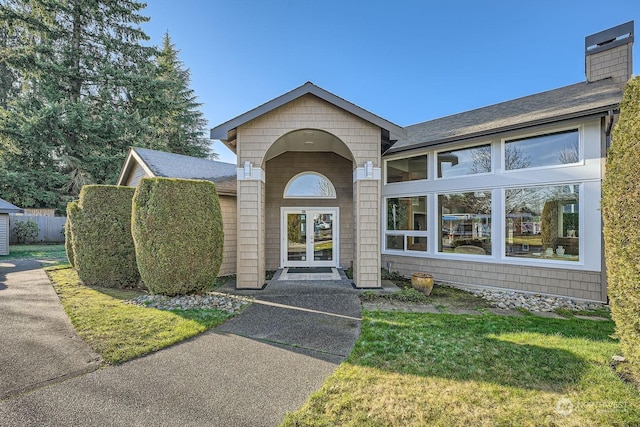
{"x": 366, "y": 201}
{"x": 250, "y": 245}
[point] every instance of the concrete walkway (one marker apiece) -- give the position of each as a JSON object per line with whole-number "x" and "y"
{"x": 249, "y": 372}
{"x": 38, "y": 343}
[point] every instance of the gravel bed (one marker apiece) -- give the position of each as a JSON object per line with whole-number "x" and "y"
{"x": 228, "y": 303}
{"x": 531, "y": 302}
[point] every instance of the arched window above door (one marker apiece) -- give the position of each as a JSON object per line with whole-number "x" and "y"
{"x": 309, "y": 185}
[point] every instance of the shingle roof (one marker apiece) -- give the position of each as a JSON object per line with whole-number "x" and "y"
{"x": 6, "y": 207}
{"x": 170, "y": 165}
{"x": 577, "y": 100}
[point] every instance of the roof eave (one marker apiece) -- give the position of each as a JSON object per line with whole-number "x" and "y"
{"x": 490, "y": 132}
{"x": 226, "y": 132}
{"x": 132, "y": 157}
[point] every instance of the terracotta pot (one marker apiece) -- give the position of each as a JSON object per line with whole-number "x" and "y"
{"x": 422, "y": 282}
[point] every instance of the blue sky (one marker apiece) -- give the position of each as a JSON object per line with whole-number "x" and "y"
{"x": 406, "y": 61}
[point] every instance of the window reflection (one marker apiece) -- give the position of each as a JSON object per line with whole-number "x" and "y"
{"x": 545, "y": 150}
{"x": 310, "y": 185}
{"x": 468, "y": 161}
{"x": 465, "y": 223}
{"x": 409, "y": 169}
{"x": 543, "y": 222}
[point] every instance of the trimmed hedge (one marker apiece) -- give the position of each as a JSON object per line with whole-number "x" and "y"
{"x": 72, "y": 212}
{"x": 621, "y": 217}
{"x": 178, "y": 234}
{"x": 102, "y": 246}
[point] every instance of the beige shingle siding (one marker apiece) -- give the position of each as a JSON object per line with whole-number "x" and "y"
{"x": 136, "y": 175}
{"x": 367, "y": 219}
{"x": 250, "y": 243}
{"x": 255, "y": 138}
{"x": 287, "y": 165}
{"x": 563, "y": 282}
{"x": 228, "y": 207}
{"x": 4, "y": 234}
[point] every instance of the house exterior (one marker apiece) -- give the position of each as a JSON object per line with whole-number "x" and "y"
{"x": 6, "y": 208}
{"x": 142, "y": 163}
{"x": 504, "y": 196}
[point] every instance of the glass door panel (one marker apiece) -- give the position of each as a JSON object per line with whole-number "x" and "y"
{"x": 323, "y": 237}
{"x": 296, "y": 237}
{"x": 309, "y": 237}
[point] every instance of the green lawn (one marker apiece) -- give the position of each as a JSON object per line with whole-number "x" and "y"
{"x": 453, "y": 370}
{"x": 35, "y": 252}
{"x": 119, "y": 331}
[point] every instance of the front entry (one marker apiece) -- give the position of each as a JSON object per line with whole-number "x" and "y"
{"x": 309, "y": 237}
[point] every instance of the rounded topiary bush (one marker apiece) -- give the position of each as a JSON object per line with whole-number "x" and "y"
{"x": 72, "y": 211}
{"x": 621, "y": 217}
{"x": 178, "y": 234}
{"x": 102, "y": 245}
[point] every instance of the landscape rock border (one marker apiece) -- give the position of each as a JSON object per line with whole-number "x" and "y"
{"x": 228, "y": 303}
{"x": 533, "y": 302}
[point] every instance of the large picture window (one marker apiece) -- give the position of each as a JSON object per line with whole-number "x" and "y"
{"x": 408, "y": 169}
{"x": 465, "y": 223}
{"x": 553, "y": 149}
{"x": 467, "y": 161}
{"x": 543, "y": 223}
{"x": 406, "y": 228}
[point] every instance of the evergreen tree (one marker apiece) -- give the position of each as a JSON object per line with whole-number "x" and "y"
{"x": 620, "y": 207}
{"x": 171, "y": 107}
{"x": 76, "y": 63}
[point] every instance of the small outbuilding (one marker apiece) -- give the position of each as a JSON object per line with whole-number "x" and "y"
{"x": 5, "y": 209}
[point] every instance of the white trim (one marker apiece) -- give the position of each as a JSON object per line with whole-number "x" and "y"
{"x": 250, "y": 173}
{"x": 309, "y": 262}
{"x": 587, "y": 174}
{"x": 367, "y": 172}
{"x": 405, "y": 233}
{"x": 128, "y": 167}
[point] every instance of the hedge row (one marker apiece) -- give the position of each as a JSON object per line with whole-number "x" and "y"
{"x": 620, "y": 211}
{"x": 100, "y": 246}
{"x": 178, "y": 234}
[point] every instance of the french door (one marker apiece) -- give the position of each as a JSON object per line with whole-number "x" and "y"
{"x": 309, "y": 237}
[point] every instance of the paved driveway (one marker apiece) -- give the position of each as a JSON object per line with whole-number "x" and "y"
{"x": 249, "y": 372}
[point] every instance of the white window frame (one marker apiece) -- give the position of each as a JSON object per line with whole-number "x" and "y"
{"x": 587, "y": 174}
{"x": 464, "y": 147}
{"x": 419, "y": 154}
{"x": 505, "y": 140}
{"x": 405, "y": 233}
{"x": 294, "y": 178}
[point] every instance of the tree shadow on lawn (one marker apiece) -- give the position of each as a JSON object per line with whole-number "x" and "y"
{"x": 529, "y": 353}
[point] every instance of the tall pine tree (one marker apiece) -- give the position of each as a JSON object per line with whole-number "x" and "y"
{"x": 171, "y": 108}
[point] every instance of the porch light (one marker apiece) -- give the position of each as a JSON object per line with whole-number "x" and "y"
{"x": 368, "y": 169}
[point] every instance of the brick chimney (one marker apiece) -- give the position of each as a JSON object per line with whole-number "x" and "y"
{"x": 609, "y": 54}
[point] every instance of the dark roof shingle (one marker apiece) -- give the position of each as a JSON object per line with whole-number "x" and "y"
{"x": 576, "y": 100}
{"x": 170, "y": 165}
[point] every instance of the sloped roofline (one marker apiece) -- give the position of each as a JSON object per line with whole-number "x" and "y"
{"x": 226, "y": 131}
{"x": 6, "y": 207}
{"x": 132, "y": 157}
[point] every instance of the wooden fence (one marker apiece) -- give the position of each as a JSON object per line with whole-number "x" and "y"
{"x": 51, "y": 227}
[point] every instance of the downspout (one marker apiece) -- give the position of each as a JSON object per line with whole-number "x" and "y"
{"x": 610, "y": 120}
{"x": 603, "y": 275}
